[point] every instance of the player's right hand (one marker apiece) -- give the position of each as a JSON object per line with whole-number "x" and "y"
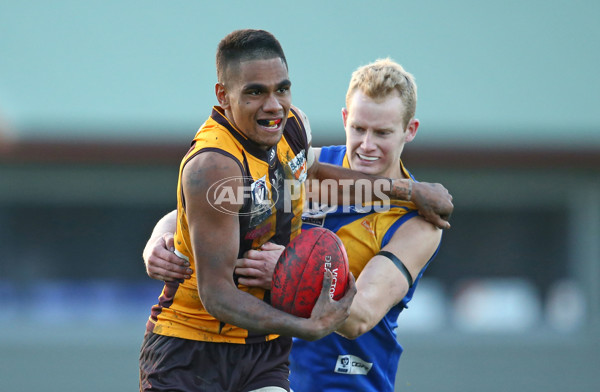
{"x": 328, "y": 313}
{"x": 434, "y": 203}
{"x": 162, "y": 263}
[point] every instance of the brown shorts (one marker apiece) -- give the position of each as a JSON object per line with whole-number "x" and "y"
{"x": 173, "y": 364}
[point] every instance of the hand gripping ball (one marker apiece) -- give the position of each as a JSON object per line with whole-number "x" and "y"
{"x": 299, "y": 273}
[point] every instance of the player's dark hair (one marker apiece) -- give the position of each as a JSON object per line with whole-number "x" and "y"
{"x": 246, "y": 44}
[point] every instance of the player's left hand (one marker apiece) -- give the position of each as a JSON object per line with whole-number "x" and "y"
{"x": 257, "y": 266}
{"x": 434, "y": 203}
{"x": 162, "y": 263}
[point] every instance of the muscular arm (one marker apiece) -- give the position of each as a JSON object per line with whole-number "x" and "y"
{"x": 381, "y": 285}
{"x": 215, "y": 259}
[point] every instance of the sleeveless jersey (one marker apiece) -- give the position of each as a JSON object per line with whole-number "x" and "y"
{"x": 368, "y": 363}
{"x": 268, "y": 214}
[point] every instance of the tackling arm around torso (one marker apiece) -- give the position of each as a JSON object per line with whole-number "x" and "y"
{"x": 381, "y": 284}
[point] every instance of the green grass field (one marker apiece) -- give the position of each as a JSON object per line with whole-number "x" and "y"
{"x": 85, "y": 358}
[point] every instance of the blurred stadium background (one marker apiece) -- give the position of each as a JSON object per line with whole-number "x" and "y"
{"x": 98, "y": 102}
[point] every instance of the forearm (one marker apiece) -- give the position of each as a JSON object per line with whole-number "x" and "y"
{"x": 230, "y": 305}
{"x": 349, "y": 185}
{"x": 215, "y": 262}
{"x": 227, "y": 303}
{"x": 380, "y": 286}
{"x": 363, "y": 317}
{"x": 401, "y": 189}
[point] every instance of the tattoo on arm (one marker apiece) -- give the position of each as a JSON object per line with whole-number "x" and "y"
{"x": 401, "y": 189}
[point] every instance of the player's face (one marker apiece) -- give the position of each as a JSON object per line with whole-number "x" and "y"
{"x": 256, "y": 97}
{"x": 375, "y": 134}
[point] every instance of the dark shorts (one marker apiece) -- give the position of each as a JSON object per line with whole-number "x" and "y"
{"x": 173, "y": 364}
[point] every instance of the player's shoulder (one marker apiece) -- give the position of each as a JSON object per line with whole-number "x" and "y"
{"x": 212, "y": 162}
{"x": 302, "y": 119}
{"x": 335, "y": 148}
{"x": 216, "y": 138}
{"x": 332, "y": 154}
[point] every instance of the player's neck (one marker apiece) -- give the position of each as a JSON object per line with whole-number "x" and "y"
{"x": 395, "y": 172}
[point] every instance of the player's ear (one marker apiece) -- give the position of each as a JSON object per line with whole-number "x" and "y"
{"x": 344, "y": 116}
{"x": 222, "y": 97}
{"x": 411, "y": 129}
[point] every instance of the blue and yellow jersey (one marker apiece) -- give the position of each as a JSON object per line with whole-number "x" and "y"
{"x": 265, "y": 216}
{"x": 368, "y": 363}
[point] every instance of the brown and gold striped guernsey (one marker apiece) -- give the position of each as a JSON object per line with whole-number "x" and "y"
{"x": 180, "y": 312}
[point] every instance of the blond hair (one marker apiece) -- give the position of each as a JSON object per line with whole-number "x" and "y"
{"x": 380, "y": 78}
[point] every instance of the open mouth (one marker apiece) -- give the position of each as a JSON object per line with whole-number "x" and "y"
{"x": 272, "y": 124}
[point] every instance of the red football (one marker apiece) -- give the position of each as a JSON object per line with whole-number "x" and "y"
{"x": 298, "y": 275}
